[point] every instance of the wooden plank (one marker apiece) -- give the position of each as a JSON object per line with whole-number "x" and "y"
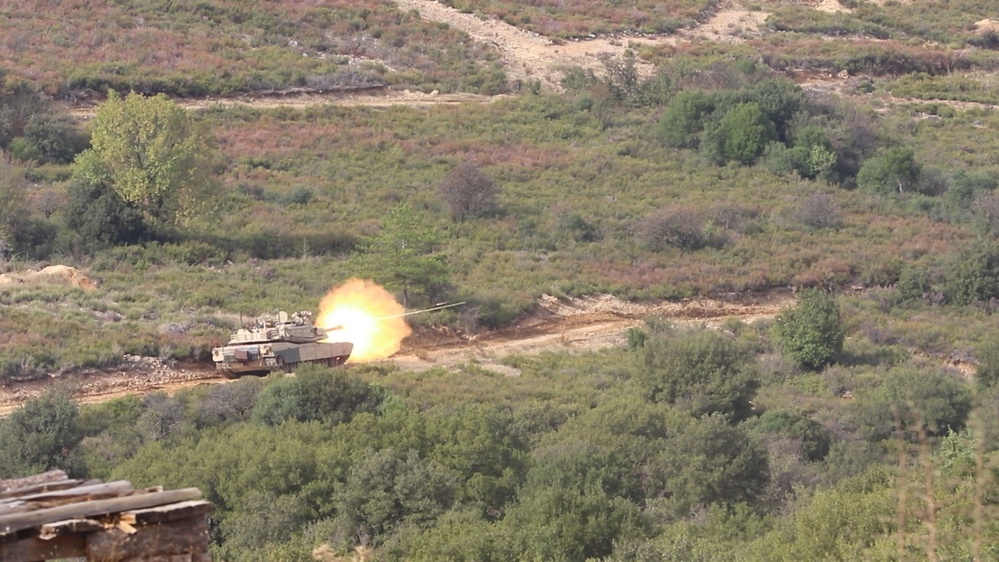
{"x": 43, "y": 487}
{"x": 35, "y": 549}
{"x": 61, "y": 497}
{"x": 164, "y": 513}
{"x": 52, "y": 530}
{"x": 185, "y": 536}
{"x": 43, "y": 478}
{"x": 18, "y": 521}
{"x": 117, "y": 488}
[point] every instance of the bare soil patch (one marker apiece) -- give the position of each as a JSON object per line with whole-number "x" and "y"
{"x": 731, "y": 25}
{"x": 575, "y": 325}
{"x": 53, "y": 274}
{"x": 832, "y": 7}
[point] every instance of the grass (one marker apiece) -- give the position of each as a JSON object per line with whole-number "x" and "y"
{"x": 193, "y": 48}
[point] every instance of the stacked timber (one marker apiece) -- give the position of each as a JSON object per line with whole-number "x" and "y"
{"x": 50, "y": 516}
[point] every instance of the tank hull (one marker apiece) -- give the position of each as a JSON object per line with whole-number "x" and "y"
{"x": 259, "y": 359}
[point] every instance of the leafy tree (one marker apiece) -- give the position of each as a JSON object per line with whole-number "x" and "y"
{"x": 740, "y": 135}
{"x": 12, "y": 201}
{"x": 895, "y": 171}
{"x": 468, "y": 192}
{"x": 262, "y": 517}
{"x": 41, "y": 436}
{"x": 815, "y": 439}
{"x": 100, "y": 216}
{"x": 151, "y": 153}
{"x": 702, "y": 373}
{"x": 48, "y": 139}
{"x": 812, "y": 332}
{"x": 315, "y": 394}
{"x": 387, "y": 490}
{"x": 578, "y": 464}
{"x": 987, "y": 371}
{"x": 565, "y": 524}
{"x": 404, "y": 257}
{"x": 478, "y": 442}
{"x": 708, "y": 462}
{"x": 913, "y": 400}
{"x": 20, "y": 102}
{"x": 974, "y": 275}
{"x": 913, "y": 284}
{"x": 683, "y": 121}
{"x": 780, "y": 100}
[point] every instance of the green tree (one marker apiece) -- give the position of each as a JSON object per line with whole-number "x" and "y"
{"x": 708, "y": 462}
{"x": 41, "y": 436}
{"x": 987, "y": 372}
{"x": 974, "y": 275}
{"x": 386, "y": 491}
{"x": 913, "y": 284}
{"x": 703, "y": 373}
{"x": 152, "y": 154}
{"x": 12, "y": 201}
{"x": 100, "y": 216}
{"x": 894, "y": 171}
{"x": 913, "y": 400}
{"x": 315, "y": 394}
{"x": 812, "y": 332}
{"x": 814, "y": 437}
{"x": 404, "y": 257}
{"x": 683, "y": 121}
{"x": 740, "y": 135}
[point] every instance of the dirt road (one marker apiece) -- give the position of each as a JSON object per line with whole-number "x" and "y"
{"x": 574, "y": 325}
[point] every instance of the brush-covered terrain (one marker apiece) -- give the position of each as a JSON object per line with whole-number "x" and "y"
{"x": 845, "y": 151}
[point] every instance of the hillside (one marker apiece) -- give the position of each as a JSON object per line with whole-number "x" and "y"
{"x": 723, "y": 273}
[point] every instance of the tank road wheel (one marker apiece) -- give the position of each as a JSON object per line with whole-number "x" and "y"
{"x": 289, "y": 367}
{"x": 339, "y": 360}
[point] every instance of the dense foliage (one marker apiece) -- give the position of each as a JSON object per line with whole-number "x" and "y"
{"x": 554, "y": 464}
{"x": 841, "y": 430}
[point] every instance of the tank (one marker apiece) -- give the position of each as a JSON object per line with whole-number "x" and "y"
{"x": 278, "y": 344}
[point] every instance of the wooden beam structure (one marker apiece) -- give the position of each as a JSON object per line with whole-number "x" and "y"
{"x": 50, "y": 516}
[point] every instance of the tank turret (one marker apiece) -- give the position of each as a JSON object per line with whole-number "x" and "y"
{"x": 278, "y": 343}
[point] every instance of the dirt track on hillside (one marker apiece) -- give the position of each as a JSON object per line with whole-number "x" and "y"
{"x": 575, "y": 325}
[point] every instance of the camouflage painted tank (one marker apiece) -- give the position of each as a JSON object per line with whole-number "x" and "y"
{"x": 282, "y": 343}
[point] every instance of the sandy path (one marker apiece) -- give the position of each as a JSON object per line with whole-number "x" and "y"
{"x": 574, "y": 325}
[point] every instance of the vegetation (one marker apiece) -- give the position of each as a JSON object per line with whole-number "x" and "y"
{"x": 147, "y": 151}
{"x": 812, "y": 332}
{"x": 838, "y": 430}
{"x": 192, "y": 49}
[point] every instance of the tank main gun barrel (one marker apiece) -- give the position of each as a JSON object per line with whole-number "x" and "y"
{"x": 431, "y": 309}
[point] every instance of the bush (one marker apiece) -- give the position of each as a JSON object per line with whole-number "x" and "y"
{"x": 815, "y": 439}
{"x": 315, "y": 394}
{"x": 915, "y": 401}
{"x": 811, "y": 332}
{"x": 468, "y": 192}
{"x": 895, "y": 171}
{"x": 41, "y": 436}
{"x": 819, "y": 211}
{"x": 101, "y": 217}
{"x": 683, "y": 121}
{"x": 702, "y": 373}
{"x": 974, "y": 275}
{"x": 673, "y": 228}
{"x": 740, "y": 135}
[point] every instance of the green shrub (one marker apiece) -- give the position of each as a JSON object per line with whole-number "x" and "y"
{"x": 315, "y": 394}
{"x": 703, "y": 372}
{"x": 811, "y": 332}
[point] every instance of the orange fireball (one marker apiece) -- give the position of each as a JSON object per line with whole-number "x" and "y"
{"x": 365, "y": 314}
